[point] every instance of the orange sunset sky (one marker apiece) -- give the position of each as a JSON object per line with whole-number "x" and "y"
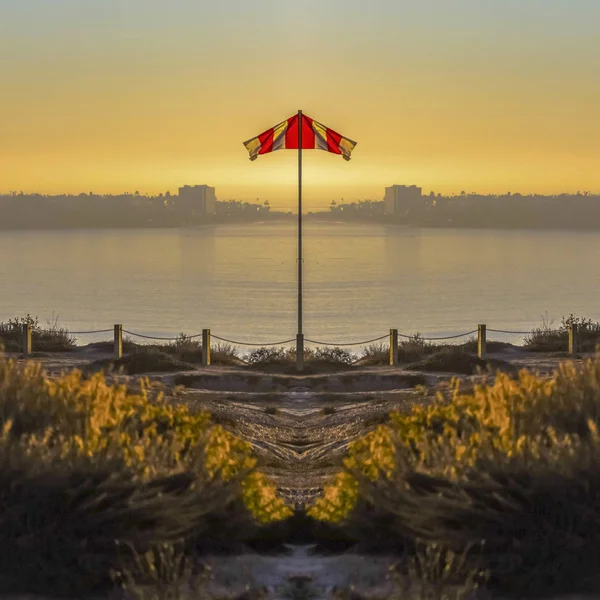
{"x": 148, "y": 95}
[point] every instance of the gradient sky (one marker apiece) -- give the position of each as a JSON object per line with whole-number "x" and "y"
{"x": 475, "y": 95}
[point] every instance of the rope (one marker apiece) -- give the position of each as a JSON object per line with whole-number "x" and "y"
{"x": 236, "y": 343}
{"x": 152, "y": 337}
{"x": 448, "y": 337}
{"x": 84, "y": 332}
{"x": 339, "y": 345}
{"x": 506, "y": 331}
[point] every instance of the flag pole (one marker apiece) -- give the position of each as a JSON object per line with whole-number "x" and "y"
{"x": 300, "y": 336}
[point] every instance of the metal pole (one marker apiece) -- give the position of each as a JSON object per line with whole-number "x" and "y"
{"x": 300, "y": 336}
{"x": 300, "y": 222}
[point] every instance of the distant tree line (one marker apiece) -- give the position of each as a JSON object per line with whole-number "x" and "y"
{"x": 562, "y": 211}
{"x": 27, "y": 211}
{"x": 514, "y": 211}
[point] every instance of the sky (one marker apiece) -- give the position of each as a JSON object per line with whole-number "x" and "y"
{"x": 145, "y": 95}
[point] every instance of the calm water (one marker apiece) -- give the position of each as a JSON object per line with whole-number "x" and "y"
{"x": 240, "y": 280}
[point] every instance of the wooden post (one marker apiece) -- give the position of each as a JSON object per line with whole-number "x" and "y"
{"x": 300, "y": 352}
{"x": 573, "y": 342}
{"x": 26, "y": 343}
{"x": 393, "y": 347}
{"x": 481, "y": 341}
{"x": 206, "y": 347}
{"x": 118, "y": 342}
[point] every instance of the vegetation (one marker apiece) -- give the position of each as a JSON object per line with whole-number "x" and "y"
{"x": 506, "y": 479}
{"x": 319, "y": 358}
{"x": 556, "y": 339}
{"x": 377, "y": 354}
{"x": 94, "y": 477}
{"x": 51, "y": 338}
{"x": 181, "y": 354}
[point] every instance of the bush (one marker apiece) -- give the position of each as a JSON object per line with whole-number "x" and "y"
{"x": 375, "y": 355}
{"x": 556, "y": 339}
{"x": 51, "y": 338}
{"x": 91, "y": 475}
{"x": 225, "y": 354}
{"x": 281, "y": 358}
{"x": 271, "y": 357}
{"x": 507, "y": 476}
{"x": 413, "y": 349}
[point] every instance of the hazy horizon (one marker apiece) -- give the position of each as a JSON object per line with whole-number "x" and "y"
{"x": 111, "y": 96}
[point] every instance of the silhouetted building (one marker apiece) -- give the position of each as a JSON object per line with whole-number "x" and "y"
{"x": 399, "y": 199}
{"x": 196, "y": 200}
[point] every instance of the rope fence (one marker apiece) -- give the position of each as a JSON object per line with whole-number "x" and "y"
{"x": 235, "y": 343}
{"x": 393, "y": 338}
{"x": 339, "y": 344}
{"x": 165, "y": 339}
{"x": 86, "y": 332}
{"x": 510, "y": 332}
{"x": 407, "y": 336}
{"x": 439, "y": 339}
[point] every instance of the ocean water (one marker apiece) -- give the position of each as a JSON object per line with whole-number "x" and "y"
{"x": 240, "y": 280}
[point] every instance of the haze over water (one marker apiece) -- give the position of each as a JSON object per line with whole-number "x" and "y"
{"x": 240, "y": 280}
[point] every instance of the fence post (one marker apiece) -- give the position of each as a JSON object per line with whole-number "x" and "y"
{"x": 393, "y": 347}
{"x": 573, "y": 339}
{"x": 26, "y": 342}
{"x": 206, "y": 347}
{"x": 300, "y": 352}
{"x": 481, "y": 341}
{"x": 118, "y": 342}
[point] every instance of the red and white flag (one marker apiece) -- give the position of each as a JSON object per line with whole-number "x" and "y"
{"x": 315, "y": 136}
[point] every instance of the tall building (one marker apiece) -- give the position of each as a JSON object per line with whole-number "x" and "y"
{"x": 399, "y": 199}
{"x": 197, "y": 200}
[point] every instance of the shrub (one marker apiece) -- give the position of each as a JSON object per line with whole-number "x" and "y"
{"x": 507, "y": 476}
{"x": 375, "y": 355}
{"x": 277, "y": 357}
{"x": 556, "y": 339}
{"x": 271, "y": 356}
{"x": 88, "y": 469}
{"x": 328, "y": 355}
{"x": 224, "y": 354}
{"x": 51, "y": 338}
{"x": 413, "y": 349}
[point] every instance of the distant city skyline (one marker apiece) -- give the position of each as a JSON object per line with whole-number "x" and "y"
{"x": 469, "y": 95}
